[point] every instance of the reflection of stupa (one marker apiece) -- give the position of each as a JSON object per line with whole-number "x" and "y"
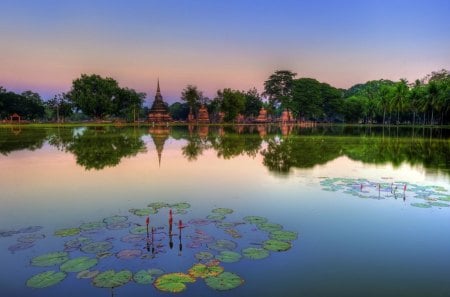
{"x": 159, "y": 111}
{"x": 203, "y": 116}
{"x": 262, "y": 117}
{"x": 159, "y": 136}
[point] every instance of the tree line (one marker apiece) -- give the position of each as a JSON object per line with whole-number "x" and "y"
{"x": 424, "y": 101}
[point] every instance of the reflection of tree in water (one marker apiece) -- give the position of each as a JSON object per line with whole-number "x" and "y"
{"x": 97, "y": 148}
{"x": 300, "y": 152}
{"x": 197, "y": 142}
{"x": 305, "y": 152}
{"x": 21, "y": 139}
{"x": 231, "y": 145}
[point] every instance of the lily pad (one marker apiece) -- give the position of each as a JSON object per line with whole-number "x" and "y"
{"x": 269, "y": 227}
{"x": 30, "y": 229}
{"x": 138, "y": 230}
{"x": 92, "y": 226}
{"x": 20, "y": 246}
{"x": 276, "y": 245}
{"x": 118, "y": 225}
{"x": 67, "y": 232}
{"x": 115, "y": 219}
{"x": 46, "y": 279}
{"x": 228, "y": 256}
{"x": 155, "y": 271}
{"x": 439, "y": 204}
{"x": 255, "y": 219}
{"x": 216, "y": 217}
{"x": 204, "y": 256}
{"x": 103, "y": 255}
{"x": 283, "y": 235}
{"x": 224, "y": 281}
{"x": 142, "y": 212}
{"x": 181, "y": 205}
{"x": 158, "y": 205}
{"x": 421, "y": 205}
{"x": 173, "y": 282}
{"x": 233, "y": 232}
{"x": 255, "y": 253}
{"x": 8, "y": 233}
{"x": 143, "y": 277}
{"x": 96, "y": 247}
{"x": 30, "y": 237}
{"x": 199, "y": 222}
{"x": 87, "y": 274}
{"x": 227, "y": 225}
{"x": 76, "y": 243}
{"x": 78, "y": 264}
{"x": 222, "y": 245}
{"x": 203, "y": 271}
{"x": 223, "y": 211}
{"x": 128, "y": 254}
{"x": 180, "y": 211}
{"x": 50, "y": 259}
{"x": 112, "y": 279}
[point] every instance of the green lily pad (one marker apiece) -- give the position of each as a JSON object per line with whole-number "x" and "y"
{"x": 30, "y": 238}
{"x": 76, "y": 243}
{"x": 181, "y": 205}
{"x": 439, "y": 204}
{"x": 180, "y": 211}
{"x": 118, "y": 225}
{"x": 138, "y": 230}
{"x": 87, "y": 274}
{"x": 228, "y": 256}
{"x": 96, "y": 247}
{"x": 155, "y": 271}
{"x": 78, "y": 264}
{"x": 46, "y": 279}
{"x": 67, "y": 232}
{"x": 115, "y": 219}
{"x": 222, "y": 245}
{"x": 112, "y": 279}
{"x": 444, "y": 198}
{"x": 92, "y": 226}
{"x": 421, "y": 205}
{"x": 216, "y": 217}
{"x": 143, "y": 277}
{"x": 255, "y": 253}
{"x": 203, "y": 256}
{"x": 283, "y": 235}
{"x": 142, "y": 212}
{"x": 158, "y": 205}
{"x": 224, "y": 281}
{"x": 173, "y": 282}
{"x": 203, "y": 271}
{"x": 255, "y": 219}
{"x": 50, "y": 259}
{"x": 269, "y": 227}
{"x": 222, "y": 211}
{"x": 276, "y": 245}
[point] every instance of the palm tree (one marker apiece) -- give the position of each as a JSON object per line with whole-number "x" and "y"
{"x": 432, "y": 98}
{"x": 384, "y": 95}
{"x": 192, "y": 96}
{"x": 399, "y": 97}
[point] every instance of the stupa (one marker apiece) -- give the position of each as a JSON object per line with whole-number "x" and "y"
{"x": 159, "y": 112}
{"x": 262, "y": 117}
{"x": 203, "y": 116}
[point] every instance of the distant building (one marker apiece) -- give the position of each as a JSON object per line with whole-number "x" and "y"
{"x": 159, "y": 112}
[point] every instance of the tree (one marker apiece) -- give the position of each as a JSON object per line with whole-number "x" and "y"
{"x": 94, "y": 95}
{"x": 384, "y": 99}
{"x": 192, "y": 96}
{"x": 399, "y": 97}
{"x": 253, "y": 103}
{"x": 128, "y": 103}
{"x": 232, "y": 102}
{"x": 179, "y": 111}
{"x": 61, "y": 106}
{"x": 306, "y": 100}
{"x": 355, "y": 108}
{"x": 278, "y": 88}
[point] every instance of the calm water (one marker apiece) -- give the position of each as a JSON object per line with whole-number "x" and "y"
{"x": 369, "y": 205}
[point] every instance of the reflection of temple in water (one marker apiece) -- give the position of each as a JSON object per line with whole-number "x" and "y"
{"x": 159, "y": 135}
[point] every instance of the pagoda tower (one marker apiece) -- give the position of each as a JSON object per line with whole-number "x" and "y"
{"x": 159, "y": 112}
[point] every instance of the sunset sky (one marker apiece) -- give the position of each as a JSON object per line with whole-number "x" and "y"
{"x": 45, "y": 44}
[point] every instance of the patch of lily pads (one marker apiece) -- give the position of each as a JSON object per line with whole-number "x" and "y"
{"x": 400, "y": 190}
{"x": 147, "y": 240}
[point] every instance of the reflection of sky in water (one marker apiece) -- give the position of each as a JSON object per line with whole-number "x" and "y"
{"x": 346, "y": 246}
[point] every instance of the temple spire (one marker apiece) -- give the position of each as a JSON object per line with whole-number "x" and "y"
{"x": 158, "y": 89}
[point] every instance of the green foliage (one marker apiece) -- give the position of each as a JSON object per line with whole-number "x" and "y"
{"x": 278, "y": 88}
{"x": 173, "y": 282}
{"x": 46, "y": 279}
{"x": 50, "y": 259}
{"x": 203, "y": 271}
{"x": 232, "y": 102}
{"x": 179, "y": 111}
{"x": 28, "y": 105}
{"x": 224, "y": 281}
{"x": 253, "y": 103}
{"x": 255, "y": 253}
{"x": 192, "y": 96}
{"x": 112, "y": 279}
{"x": 228, "y": 257}
{"x": 78, "y": 264}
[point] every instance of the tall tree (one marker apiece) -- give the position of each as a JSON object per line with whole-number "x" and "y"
{"x": 253, "y": 103}
{"x": 278, "y": 88}
{"x": 399, "y": 97}
{"x": 94, "y": 95}
{"x": 61, "y": 106}
{"x": 306, "y": 100}
{"x": 128, "y": 103}
{"x": 192, "y": 96}
{"x": 232, "y": 102}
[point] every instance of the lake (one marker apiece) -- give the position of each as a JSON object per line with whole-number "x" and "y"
{"x": 264, "y": 210}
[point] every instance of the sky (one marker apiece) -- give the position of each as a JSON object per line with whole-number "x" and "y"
{"x": 238, "y": 44}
